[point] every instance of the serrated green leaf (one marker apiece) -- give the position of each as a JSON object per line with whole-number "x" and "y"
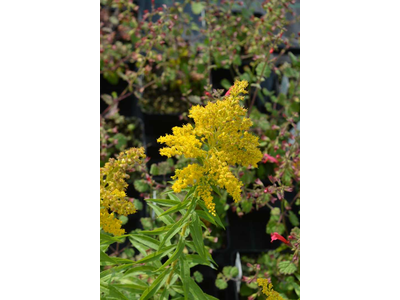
{"x": 221, "y": 284}
{"x": 234, "y": 272}
{"x": 260, "y": 67}
{"x": 287, "y": 267}
{"x": 273, "y": 226}
{"x": 141, "y": 185}
{"x": 198, "y": 276}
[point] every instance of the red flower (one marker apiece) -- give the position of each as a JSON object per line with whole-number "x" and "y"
{"x": 228, "y": 92}
{"x": 277, "y": 236}
{"x": 269, "y": 158}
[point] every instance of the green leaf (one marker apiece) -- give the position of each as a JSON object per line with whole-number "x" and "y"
{"x": 154, "y": 169}
{"x": 185, "y": 275}
{"x": 156, "y": 255}
{"x": 237, "y": 61}
{"x": 197, "y": 235}
{"x": 115, "y": 293}
{"x": 158, "y": 210}
{"x": 106, "y": 239}
{"x": 259, "y": 70}
{"x": 151, "y": 290}
{"x": 197, "y": 7}
{"x": 204, "y": 216}
{"x": 171, "y": 232}
{"x": 175, "y": 208}
{"x": 196, "y": 290}
{"x": 177, "y": 226}
{"x": 234, "y": 272}
{"x": 141, "y": 186}
{"x": 287, "y": 267}
{"x": 221, "y": 284}
{"x": 164, "y": 202}
{"x": 164, "y": 295}
{"x": 293, "y": 219}
{"x": 105, "y": 258}
{"x": 122, "y": 141}
{"x": 115, "y": 270}
{"x": 216, "y": 218}
{"x": 140, "y": 269}
{"x": 273, "y": 226}
{"x": 131, "y": 288}
{"x": 196, "y": 259}
{"x": 175, "y": 255}
{"x": 156, "y": 231}
{"x": 226, "y": 84}
{"x": 198, "y": 276}
{"x": 146, "y": 240}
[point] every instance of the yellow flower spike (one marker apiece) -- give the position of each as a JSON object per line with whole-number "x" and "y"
{"x": 112, "y": 189}
{"x": 219, "y": 139}
{"x": 267, "y": 289}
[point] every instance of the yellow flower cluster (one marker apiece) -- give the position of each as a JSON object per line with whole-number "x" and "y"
{"x": 268, "y": 290}
{"x": 112, "y": 189}
{"x": 219, "y": 139}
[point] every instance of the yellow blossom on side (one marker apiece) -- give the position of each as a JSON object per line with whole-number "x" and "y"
{"x": 112, "y": 189}
{"x": 189, "y": 175}
{"x": 219, "y": 139}
{"x": 267, "y": 289}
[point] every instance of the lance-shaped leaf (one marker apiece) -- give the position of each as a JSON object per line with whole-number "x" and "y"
{"x": 197, "y": 235}
{"x": 157, "y": 231}
{"x": 176, "y": 227}
{"x": 175, "y": 208}
{"x": 151, "y": 290}
{"x": 156, "y": 255}
{"x": 185, "y": 275}
{"x": 176, "y": 254}
{"x": 158, "y": 210}
{"x": 146, "y": 240}
{"x": 164, "y": 202}
{"x": 215, "y": 218}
